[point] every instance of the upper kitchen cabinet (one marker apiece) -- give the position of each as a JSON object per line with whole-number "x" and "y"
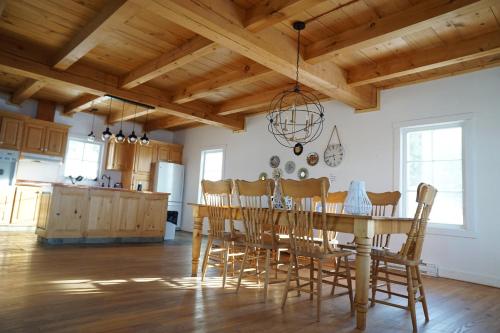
{"x": 168, "y": 152}
{"x": 11, "y": 132}
{"x": 118, "y": 156}
{"x": 143, "y": 157}
{"x": 43, "y": 137}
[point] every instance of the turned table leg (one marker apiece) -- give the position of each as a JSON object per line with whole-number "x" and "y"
{"x": 197, "y": 226}
{"x": 364, "y": 231}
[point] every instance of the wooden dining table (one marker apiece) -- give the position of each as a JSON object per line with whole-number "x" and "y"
{"x": 362, "y": 226}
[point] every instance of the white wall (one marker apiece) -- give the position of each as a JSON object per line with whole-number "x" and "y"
{"x": 81, "y": 124}
{"x": 369, "y": 144}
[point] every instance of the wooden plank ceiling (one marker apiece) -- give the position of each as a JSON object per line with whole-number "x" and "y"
{"x": 216, "y": 61}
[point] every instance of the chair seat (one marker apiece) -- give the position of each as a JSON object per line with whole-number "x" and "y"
{"x": 236, "y": 237}
{"x": 384, "y": 254}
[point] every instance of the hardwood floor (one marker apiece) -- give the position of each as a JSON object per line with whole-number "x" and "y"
{"x": 148, "y": 288}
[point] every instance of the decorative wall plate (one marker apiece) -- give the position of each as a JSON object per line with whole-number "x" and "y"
{"x": 298, "y": 149}
{"x": 274, "y": 161}
{"x": 263, "y": 176}
{"x": 312, "y": 159}
{"x": 290, "y": 167}
{"x": 303, "y": 173}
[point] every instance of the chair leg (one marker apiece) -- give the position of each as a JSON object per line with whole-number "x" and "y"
{"x": 411, "y": 298}
{"x": 336, "y": 276}
{"x": 226, "y": 257}
{"x": 422, "y": 293}
{"x": 374, "y": 281}
{"x": 266, "y": 282}
{"x": 287, "y": 283}
{"x": 242, "y": 268}
{"x": 388, "y": 283}
{"x": 319, "y": 289}
{"x": 311, "y": 278}
{"x": 257, "y": 268}
{"x": 349, "y": 282}
{"x": 206, "y": 257}
{"x": 297, "y": 280}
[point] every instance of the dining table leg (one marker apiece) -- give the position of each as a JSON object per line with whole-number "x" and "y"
{"x": 364, "y": 231}
{"x": 196, "y": 246}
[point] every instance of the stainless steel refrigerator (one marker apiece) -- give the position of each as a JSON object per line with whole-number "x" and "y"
{"x": 169, "y": 178}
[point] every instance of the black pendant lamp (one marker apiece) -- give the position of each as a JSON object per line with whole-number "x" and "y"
{"x": 120, "y": 138}
{"x": 106, "y": 134}
{"x": 144, "y": 140}
{"x": 91, "y": 135}
{"x": 132, "y": 138}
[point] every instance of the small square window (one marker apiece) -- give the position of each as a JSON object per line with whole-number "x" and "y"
{"x": 82, "y": 159}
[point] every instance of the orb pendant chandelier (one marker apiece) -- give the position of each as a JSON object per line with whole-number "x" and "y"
{"x": 296, "y": 115}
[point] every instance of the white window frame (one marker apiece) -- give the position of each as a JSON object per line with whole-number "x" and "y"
{"x": 466, "y": 121}
{"x": 99, "y": 162}
{"x": 203, "y": 151}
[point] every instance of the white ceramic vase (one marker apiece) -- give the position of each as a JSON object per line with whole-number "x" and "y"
{"x": 357, "y": 201}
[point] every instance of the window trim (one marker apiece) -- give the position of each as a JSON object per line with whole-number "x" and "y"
{"x": 99, "y": 162}
{"x": 469, "y": 228}
{"x": 202, "y": 166}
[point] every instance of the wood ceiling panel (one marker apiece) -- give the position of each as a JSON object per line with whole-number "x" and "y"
{"x": 57, "y": 94}
{"x": 9, "y": 82}
{"x": 475, "y": 23}
{"x": 51, "y": 23}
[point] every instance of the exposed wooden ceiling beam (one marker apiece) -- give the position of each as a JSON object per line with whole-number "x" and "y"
{"x": 249, "y": 102}
{"x": 272, "y": 49}
{"x": 475, "y": 48}
{"x": 128, "y": 114}
{"x": 439, "y": 73}
{"x": 245, "y": 75}
{"x": 168, "y": 122}
{"x": 3, "y": 3}
{"x": 414, "y": 19}
{"x": 265, "y": 14}
{"x": 190, "y": 51}
{"x": 82, "y": 103}
{"x": 27, "y": 89}
{"x": 115, "y": 11}
{"x": 94, "y": 82}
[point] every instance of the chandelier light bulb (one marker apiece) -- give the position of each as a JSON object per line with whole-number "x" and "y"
{"x": 119, "y": 138}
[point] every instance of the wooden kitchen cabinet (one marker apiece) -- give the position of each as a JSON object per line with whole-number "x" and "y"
{"x": 154, "y": 209}
{"x": 6, "y": 202}
{"x": 128, "y": 214}
{"x": 143, "y": 158}
{"x": 43, "y": 137}
{"x": 100, "y": 215}
{"x": 69, "y": 210}
{"x": 11, "y": 132}
{"x": 118, "y": 156}
{"x": 55, "y": 141}
{"x": 34, "y": 138}
{"x": 26, "y": 206}
{"x": 167, "y": 152}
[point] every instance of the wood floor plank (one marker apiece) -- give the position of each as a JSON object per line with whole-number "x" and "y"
{"x": 148, "y": 288}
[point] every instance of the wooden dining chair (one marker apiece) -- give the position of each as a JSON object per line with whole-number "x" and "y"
{"x": 334, "y": 204}
{"x": 220, "y": 243}
{"x": 255, "y": 205}
{"x": 302, "y": 243}
{"x": 408, "y": 258}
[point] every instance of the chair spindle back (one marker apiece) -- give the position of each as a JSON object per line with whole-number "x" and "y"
{"x": 412, "y": 248}
{"x": 383, "y": 204}
{"x": 256, "y": 209}
{"x": 217, "y": 195}
{"x": 301, "y": 218}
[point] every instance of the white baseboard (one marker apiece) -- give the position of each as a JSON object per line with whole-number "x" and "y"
{"x": 488, "y": 280}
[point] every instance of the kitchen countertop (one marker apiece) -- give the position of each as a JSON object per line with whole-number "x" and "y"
{"x": 59, "y": 184}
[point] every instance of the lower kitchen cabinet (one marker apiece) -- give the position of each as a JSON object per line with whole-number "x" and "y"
{"x": 6, "y": 202}
{"x": 80, "y": 214}
{"x": 26, "y": 206}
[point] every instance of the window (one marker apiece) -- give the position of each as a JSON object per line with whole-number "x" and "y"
{"x": 82, "y": 158}
{"x": 434, "y": 153}
{"x": 211, "y": 167}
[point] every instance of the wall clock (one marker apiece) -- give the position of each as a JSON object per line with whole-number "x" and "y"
{"x": 334, "y": 152}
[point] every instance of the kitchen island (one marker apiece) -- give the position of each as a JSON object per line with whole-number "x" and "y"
{"x": 81, "y": 214}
